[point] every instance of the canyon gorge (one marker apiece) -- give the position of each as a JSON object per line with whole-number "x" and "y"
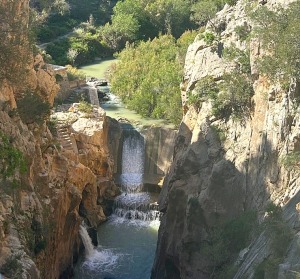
{"x": 212, "y": 173}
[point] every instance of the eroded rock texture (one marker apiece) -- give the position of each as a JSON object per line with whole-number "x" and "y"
{"x": 212, "y": 181}
{"x": 41, "y": 210}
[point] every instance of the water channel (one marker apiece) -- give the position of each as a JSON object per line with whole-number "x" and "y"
{"x": 127, "y": 241}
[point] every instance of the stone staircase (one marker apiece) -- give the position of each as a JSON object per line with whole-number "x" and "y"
{"x": 76, "y": 96}
{"x": 64, "y": 138}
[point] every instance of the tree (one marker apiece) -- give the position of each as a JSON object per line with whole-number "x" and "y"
{"x": 123, "y": 29}
{"x": 279, "y": 34}
{"x": 138, "y": 9}
{"x": 72, "y": 54}
{"x": 170, "y": 16}
{"x": 203, "y": 11}
{"x": 148, "y": 75}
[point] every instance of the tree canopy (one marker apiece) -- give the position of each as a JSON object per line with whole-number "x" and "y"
{"x": 148, "y": 75}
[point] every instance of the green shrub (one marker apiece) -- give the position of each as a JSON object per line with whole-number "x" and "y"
{"x": 240, "y": 57}
{"x": 52, "y": 123}
{"x": 225, "y": 241}
{"x": 32, "y": 108}
{"x": 221, "y": 135}
{"x": 280, "y": 235}
{"x": 291, "y": 161}
{"x": 243, "y": 32}
{"x": 74, "y": 74}
{"x": 234, "y": 98}
{"x": 12, "y": 159}
{"x": 209, "y": 38}
{"x": 85, "y": 107}
{"x": 12, "y": 268}
{"x": 205, "y": 89}
{"x": 58, "y": 78}
{"x": 277, "y": 31}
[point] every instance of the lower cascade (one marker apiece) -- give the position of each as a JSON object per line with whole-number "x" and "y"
{"x": 127, "y": 241}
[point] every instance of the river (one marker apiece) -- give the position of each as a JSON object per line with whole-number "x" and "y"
{"x": 127, "y": 241}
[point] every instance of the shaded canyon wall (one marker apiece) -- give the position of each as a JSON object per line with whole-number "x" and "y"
{"x": 222, "y": 169}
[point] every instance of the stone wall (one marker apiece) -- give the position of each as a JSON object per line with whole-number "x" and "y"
{"x": 159, "y": 145}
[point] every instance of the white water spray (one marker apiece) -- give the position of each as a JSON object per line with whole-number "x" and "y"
{"x": 87, "y": 242}
{"x": 97, "y": 258}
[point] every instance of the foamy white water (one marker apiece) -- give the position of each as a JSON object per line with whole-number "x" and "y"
{"x": 87, "y": 242}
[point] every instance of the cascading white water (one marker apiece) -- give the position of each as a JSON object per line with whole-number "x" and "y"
{"x": 133, "y": 157}
{"x": 97, "y": 258}
{"x": 87, "y": 242}
{"x": 134, "y": 204}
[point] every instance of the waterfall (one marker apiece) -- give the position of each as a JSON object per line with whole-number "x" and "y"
{"x": 97, "y": 258}
{"x": 87, "y": 241}
{"x": 133, "y": 157}
{"x": 134, "y": 204}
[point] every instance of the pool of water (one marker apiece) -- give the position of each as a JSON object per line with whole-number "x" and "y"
{"x": 116, "y": 109}
{"x": 126, "y": 251}
{"x": 98, "y": 68}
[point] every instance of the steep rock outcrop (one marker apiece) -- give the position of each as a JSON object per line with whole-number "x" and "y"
{"x": 213, "y": 180}
{"x": 42, "y": 208}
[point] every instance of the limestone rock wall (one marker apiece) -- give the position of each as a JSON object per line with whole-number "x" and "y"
{"x": 211, "y": 180}
{"x": 41, "y": 210}
{"x": 159, "y": 146}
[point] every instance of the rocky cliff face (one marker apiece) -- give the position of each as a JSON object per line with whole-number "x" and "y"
{"x": 42, "y": 208}
{"x": 222, "y": 169}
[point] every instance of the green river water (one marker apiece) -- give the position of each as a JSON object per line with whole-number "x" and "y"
{"x": 127, "y": 241}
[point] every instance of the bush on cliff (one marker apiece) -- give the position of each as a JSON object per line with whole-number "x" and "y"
{"x": 39, "y": 108}
{"x": 279, "y": 33}
{"x": 12, "y": 159}
{"x": 225, "y": 241}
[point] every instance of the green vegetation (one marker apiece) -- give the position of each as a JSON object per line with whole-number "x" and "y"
{"x": 79, "y": 49}
{"x": 292, "y": 161}
{"x": 234, "y": 98}
{"x": 12, "y": 268}
{"x": 147, "y": 77}
{"x": 230, "y": 97}
{"x": 281, "y": 235}
{"x": 39, "y": 109}
{"x": 85, "y": 107}
{"x": 12, "y": 159}
{"x": 57, "y": 25}
{"x": 204, "y": 10}
{"x": 205, "y": 89}
{"x": 131, "y": 21}
{"x": 243, "y": 32}
{"x": 279, "y": 33}
{"x": 221, "y": 135}
{"x": 74, "y": 74}
{"x": 209, "y": 37}
{"x": 225, "y": 241}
